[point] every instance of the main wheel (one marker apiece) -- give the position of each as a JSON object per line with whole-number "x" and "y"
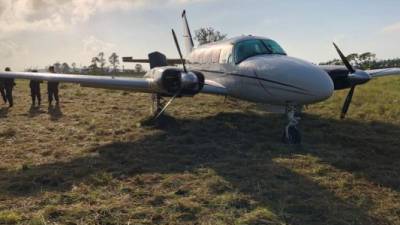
{"x": 155, "y": 105}
{"x": 293, "y": 136}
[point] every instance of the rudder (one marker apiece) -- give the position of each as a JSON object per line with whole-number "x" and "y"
{"x": 189, "y": 45}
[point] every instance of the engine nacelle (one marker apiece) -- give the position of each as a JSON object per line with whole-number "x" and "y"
{"x": 170, "y": 81}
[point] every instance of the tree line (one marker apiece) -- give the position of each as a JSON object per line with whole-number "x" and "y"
{"x": 99, "y": 64}
{"x": 366, "y": 61}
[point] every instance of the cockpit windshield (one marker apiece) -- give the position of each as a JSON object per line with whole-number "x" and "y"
{"x": 250, "y": 48}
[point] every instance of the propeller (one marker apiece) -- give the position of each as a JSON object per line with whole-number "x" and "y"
{"x": 344, "y": 59}
{"x": 184, "y": 69}
{"x": 179, "y": 50}
{"x": 352, "y": 71}
{"x": 347, "y": 102}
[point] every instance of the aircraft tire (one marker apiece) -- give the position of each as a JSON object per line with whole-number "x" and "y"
{"x": 293, "y": 137}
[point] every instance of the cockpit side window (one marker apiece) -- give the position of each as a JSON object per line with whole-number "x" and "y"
{"x": 249, "y": 48}
{"x": 274, "y": 47}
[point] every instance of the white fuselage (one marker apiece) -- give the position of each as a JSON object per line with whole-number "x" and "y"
{"x": 267, "y": 78}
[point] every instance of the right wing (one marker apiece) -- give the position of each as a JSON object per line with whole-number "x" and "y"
{"x": 107, "y": 82}
{"x": 145, "y": 85}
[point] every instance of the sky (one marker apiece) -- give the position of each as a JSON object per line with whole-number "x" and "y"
{"x": 37, "y": 33}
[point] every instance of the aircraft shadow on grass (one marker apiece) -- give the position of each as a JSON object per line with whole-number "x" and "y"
{"x": 240, "y": 147}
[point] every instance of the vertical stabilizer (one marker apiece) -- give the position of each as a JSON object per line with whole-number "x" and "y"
{"x": 189, "y": 45}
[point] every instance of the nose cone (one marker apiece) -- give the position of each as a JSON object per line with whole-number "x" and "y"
{"x": 305, "y": 82}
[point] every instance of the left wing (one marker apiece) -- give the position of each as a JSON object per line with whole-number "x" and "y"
{"x": 384, "y": 72}
{"x": 108, "y": 82}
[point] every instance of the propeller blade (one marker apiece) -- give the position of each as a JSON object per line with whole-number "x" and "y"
{"x": 344, "y": 59}
{"x": 179, "y": 50}
{"x": 347, "y": 102}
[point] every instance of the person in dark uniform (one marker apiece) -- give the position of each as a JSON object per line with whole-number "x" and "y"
{"x": 52, "y": 89}
{"x": 35, "y": 90}
{"x": 9, "y": 85}
{"x": 3, "y": 90}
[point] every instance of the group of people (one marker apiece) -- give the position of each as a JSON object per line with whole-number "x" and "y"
{"x": 7, "y": 85}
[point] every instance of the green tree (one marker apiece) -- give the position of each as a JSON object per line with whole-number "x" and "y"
{"x": 57, "y": 67}
{"x": 114, "y": 61}
{"x": 101, "y": 61}
{"x": 65, "y": 68}
{"x": 353, "y": 58}
{"x": 73, "y": 67}
{"x": 207, "y": 35}
{"x": 367, "y": 60}
{"x": 93, "y": 66}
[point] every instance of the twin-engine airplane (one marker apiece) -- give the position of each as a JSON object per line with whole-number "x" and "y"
{"x": 251, "y": 68}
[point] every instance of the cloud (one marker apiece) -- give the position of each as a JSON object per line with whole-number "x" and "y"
{"x": 92, "y": 46}
{"x": 392, "y": 28}
{"x": 55, "y": 15}
{"x": 9, "y": 49}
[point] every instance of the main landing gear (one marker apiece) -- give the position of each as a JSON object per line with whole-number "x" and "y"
{"x": 291, "y": 134}
{"x": 157, "y": 104}
{"x": 160, "y": 104}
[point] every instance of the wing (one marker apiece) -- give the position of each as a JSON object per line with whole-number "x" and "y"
{"x": 384, "y": 72}
{"x": 107, "y": 82}
{"x": 170, "y": 62}
{"x": 145, "y": 85}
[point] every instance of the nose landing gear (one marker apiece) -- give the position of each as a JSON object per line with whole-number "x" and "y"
{"x": 291, "y": 134}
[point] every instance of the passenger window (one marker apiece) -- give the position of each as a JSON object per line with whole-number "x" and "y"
{"x": 225, "y": 54}
{"x": 201, "y": 57}
{"x": 230, "y": 59}
{"x": 216, "y": 55}
{"x": 209, "y": 56}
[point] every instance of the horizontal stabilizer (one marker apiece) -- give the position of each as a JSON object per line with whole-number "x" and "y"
{"x": 171, "y": 62}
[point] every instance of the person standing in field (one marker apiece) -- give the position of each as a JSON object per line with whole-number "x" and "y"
{"x": 35, "y": 90}
{"x": 52, "y": 89}
{"x": 3, "y": 90}
{"x": 9, "y": 85}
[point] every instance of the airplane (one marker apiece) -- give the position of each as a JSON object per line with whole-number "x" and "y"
{"x": 250, "y": 68}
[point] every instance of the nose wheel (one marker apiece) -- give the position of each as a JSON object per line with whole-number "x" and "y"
{"x": 291, "y": 133}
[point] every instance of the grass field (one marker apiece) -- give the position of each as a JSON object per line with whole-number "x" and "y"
{"x": 216, "y": 162}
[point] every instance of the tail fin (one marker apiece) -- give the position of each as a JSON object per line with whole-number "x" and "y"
{"x": 189, "y": 45}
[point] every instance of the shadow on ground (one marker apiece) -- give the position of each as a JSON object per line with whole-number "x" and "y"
{"x": 4, "y": 112}
{"x": 55, "y": 112}
{"x": 35, "y": 111}
{"x": 241, "y": 148}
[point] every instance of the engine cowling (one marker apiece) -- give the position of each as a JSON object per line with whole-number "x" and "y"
{"x": 170, "y": 81}
{"x": 343, "y": 79}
